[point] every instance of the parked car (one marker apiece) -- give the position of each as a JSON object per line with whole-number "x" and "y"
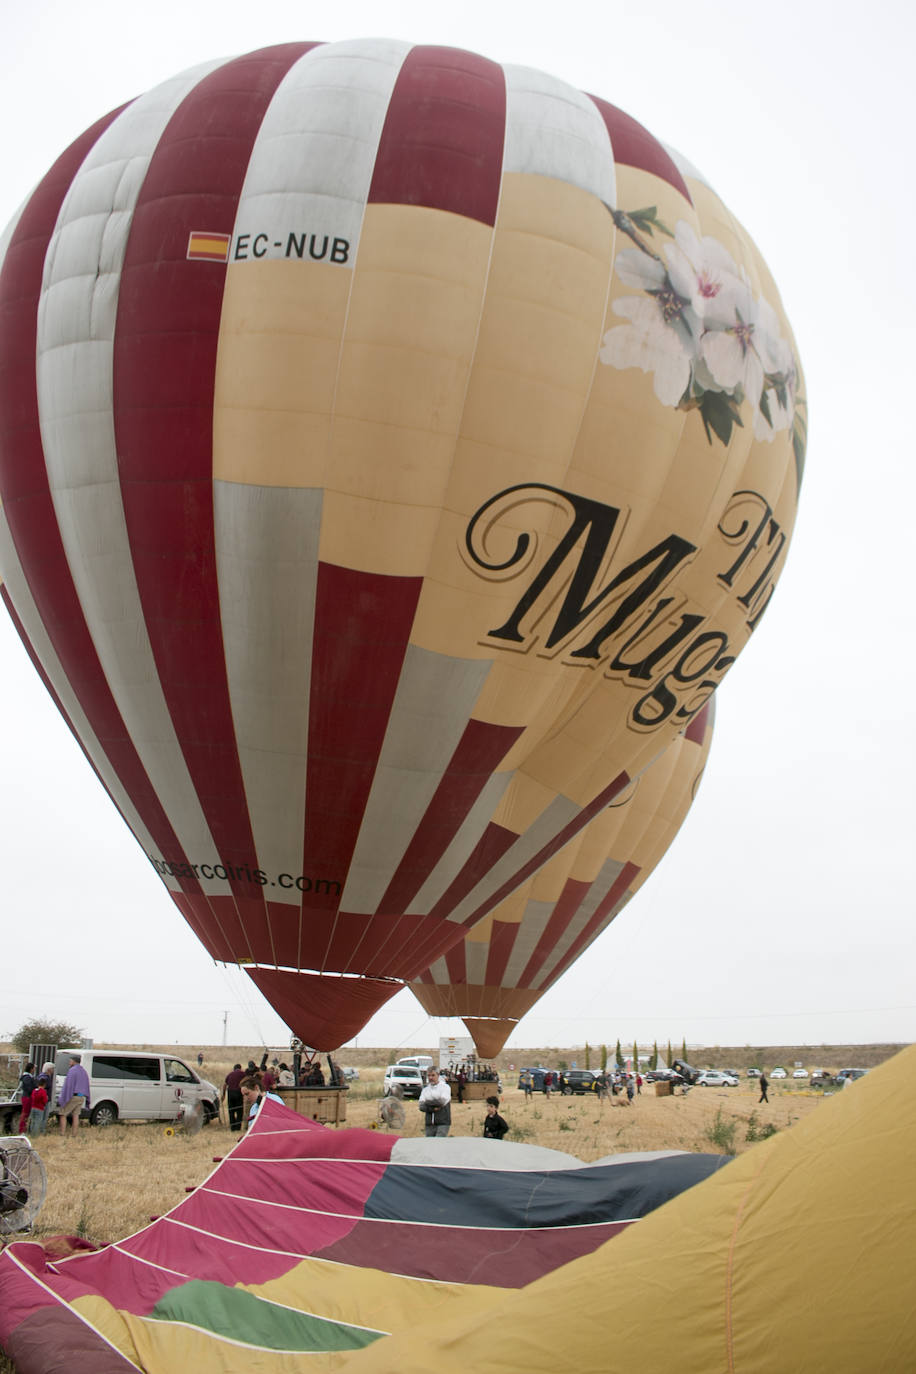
{"x": 821, "y": 1076}
{"x": 578, "y": 1081}
{"x": 350, "y": 1074}
{"x": 799, "y": 1073}
{"x": 754, "y": 1073}
{"x": 137, "y": 1085}
{"x": 418, "y": 1061}
{"x": 410, "y": 1080}
{"x": 687, "y": 1071}
{"x": 717, "y": 1078}
{"x": 663, "y": 1076}
{"x": 846, "y": 1074}
{"x": 779, "y": 1073}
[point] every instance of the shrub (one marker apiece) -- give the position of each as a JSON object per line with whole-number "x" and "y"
{"x": 756, "y": 1131}
{"x": 721, "y": 1132}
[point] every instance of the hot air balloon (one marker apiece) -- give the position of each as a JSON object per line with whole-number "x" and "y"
{"x": 396, "y": 449}
{"x": 510, "y": 958}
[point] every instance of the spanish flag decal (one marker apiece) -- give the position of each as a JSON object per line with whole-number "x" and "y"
{"x": 208, "y": 247}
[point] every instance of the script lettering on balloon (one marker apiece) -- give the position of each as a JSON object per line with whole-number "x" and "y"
{"x": 634, "y": 626}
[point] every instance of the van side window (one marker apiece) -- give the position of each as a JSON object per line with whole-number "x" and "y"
{"x": 176, "y": 1072}
{"x": 133, "y": 1068}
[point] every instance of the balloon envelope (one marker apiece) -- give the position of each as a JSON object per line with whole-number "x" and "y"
{"x": 396, "y": 449}
{"x": 511, "y": 957}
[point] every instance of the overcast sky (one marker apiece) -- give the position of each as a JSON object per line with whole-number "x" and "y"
{"x": 784, "y": 910}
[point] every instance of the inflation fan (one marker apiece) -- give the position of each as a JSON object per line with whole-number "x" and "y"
{"x": 23, "y": 1184}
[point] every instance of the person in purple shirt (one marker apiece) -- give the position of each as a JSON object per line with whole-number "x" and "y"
{"x": 74, "y": 1095}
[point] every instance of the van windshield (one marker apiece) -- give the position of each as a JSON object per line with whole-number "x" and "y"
{"x": 177, "y": 1072}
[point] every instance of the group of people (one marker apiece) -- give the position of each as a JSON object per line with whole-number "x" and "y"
{"x": 618, "y": 1083}
{"x": 468, "y": 1071}
{"x": 244, "y": 1089}
{"x": 37, "y": 1094}
{"x": 609, "y": 1083}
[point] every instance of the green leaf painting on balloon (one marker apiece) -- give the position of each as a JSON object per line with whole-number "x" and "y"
{"x": 697, "y": 327}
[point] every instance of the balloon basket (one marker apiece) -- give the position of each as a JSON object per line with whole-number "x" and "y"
{"x": 327, "y": 1105}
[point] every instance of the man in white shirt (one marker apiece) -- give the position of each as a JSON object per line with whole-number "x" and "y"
{"x": 436, "y": 1103}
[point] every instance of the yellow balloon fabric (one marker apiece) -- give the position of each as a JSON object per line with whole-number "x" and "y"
{"x": 799, "y": 1256}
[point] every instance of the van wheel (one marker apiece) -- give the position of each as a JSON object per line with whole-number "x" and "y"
{"x": 105, "y": 1114}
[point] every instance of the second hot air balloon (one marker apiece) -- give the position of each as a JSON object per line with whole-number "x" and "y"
{"x": 513, "y": 956}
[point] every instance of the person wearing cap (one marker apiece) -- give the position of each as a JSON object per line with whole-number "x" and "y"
{"x": 74, "y": 1095}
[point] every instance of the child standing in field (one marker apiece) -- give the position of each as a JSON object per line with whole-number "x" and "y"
{"x": 494, "y": 1125}
{"x": 39, "y": 1113}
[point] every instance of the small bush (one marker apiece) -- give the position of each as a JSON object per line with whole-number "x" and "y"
{"x": 721, "y": 1132}
{"x": 757, "y": 1131}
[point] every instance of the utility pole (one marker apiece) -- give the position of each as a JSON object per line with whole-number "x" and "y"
{"x": 225, "y": 1023}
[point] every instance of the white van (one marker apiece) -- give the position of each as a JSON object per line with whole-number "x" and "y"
{"x": 137, "y": 1085}
{"x": 404, "y": 1080}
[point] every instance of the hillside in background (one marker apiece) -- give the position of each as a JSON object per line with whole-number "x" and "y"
{"x": 741, "y": 1057}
